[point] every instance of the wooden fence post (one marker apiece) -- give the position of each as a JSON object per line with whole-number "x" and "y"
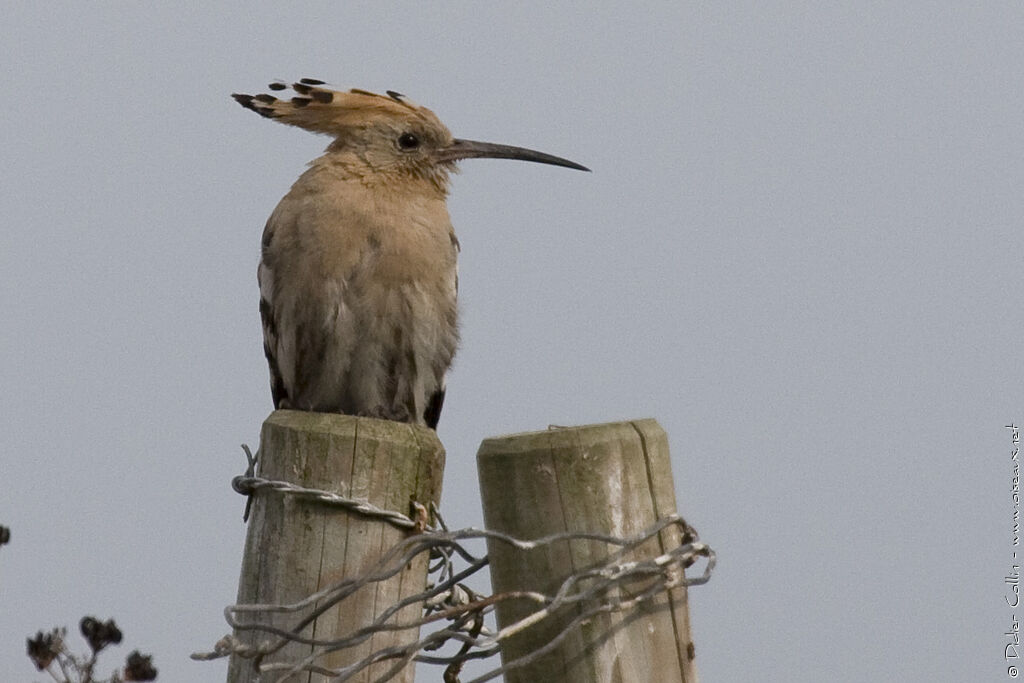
{"x": 296, "y": 547}
{"x": 614, "y": 479}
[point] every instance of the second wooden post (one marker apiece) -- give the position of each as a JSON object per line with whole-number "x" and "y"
{"x": 613, "y": 479}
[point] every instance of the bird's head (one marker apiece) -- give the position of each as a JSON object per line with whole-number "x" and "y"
{"x": 385, "y": 135}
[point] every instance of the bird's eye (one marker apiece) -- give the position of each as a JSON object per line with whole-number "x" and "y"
{"x": 408, "y": 141}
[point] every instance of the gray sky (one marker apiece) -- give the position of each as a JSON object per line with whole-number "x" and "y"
{"x": 800, "y": 250}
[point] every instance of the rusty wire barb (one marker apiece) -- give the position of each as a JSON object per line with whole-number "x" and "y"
{"x": 593, "y": 590}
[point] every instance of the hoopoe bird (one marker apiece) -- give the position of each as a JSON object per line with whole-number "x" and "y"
{"x": 357, "y": 272}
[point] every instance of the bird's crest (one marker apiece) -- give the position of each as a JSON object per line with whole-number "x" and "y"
{"x": 316, "y": 108}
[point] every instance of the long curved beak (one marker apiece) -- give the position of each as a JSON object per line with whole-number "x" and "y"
{"x": 471, "y": 149}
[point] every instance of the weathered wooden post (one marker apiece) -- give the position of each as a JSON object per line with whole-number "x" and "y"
{"x": 614, "y": 479}
{"x": 296, "y": 547}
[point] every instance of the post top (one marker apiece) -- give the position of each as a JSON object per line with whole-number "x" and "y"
{"x": 337, "y": 424}
{"x": 645, "y": 428}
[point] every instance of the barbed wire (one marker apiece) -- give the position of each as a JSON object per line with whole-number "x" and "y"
{"x": 593, "y": 590}
{"x": 249, "y": 484}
